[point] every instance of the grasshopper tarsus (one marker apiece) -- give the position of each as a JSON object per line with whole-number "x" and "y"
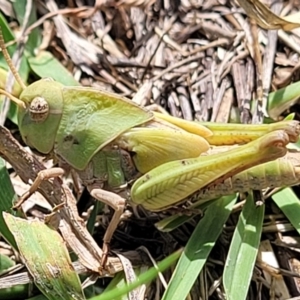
{"x": 22, "y": 199}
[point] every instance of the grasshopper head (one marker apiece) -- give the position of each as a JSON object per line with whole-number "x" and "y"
{"x": 39, "y": 108}
{"x": 40, "y": 115}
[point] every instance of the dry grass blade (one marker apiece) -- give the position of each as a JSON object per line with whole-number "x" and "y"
{"x": 136, "y": 3}
{"x": 266, "y": 18}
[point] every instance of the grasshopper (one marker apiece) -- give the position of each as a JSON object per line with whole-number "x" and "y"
{"x": 110, "y": 142}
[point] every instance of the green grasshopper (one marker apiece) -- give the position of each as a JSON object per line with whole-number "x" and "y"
{"x": 111, "y": 142}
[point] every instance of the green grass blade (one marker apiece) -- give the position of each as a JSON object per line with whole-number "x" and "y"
{"x": 172, "y": 222}
{"x": 8, "y": 36}
{"x": 198, "y": 248}
{"x": 243, "y": 251}
{"x": 20, "y": 291}
{"x": 142, "y": 279}
{"x": 39, "y": 297}
{"x": 15, "y": 292}
{"x": 5, "y": 262}
{"x": 289, "y": 203}
{"x": 46, "y": 65}
{"x": 282, "y": 99}
{"x": 7, "y": 197}
{"x": 46, "y": 257}
{"x": 119, "y": 282}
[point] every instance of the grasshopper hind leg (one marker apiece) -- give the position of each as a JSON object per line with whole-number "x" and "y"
{"x": 118, "y": 204}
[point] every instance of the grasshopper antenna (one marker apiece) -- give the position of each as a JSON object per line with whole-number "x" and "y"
{"x": 13, "y": 70}
{"x": 9, "y": 62}
{"x": 13, "y": 98}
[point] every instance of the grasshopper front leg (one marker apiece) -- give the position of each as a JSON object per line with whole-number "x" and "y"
{"x": 42, "y": 175}
{"x": 173, "y": 182}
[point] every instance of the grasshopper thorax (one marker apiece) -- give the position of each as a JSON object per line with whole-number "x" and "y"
{"x": 40, "y": 117}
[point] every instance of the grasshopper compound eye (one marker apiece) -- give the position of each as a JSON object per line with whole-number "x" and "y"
{"x": 39, "y": 109}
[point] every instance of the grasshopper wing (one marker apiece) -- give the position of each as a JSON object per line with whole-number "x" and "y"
{"x": 91, "y": 119}
{"x": 153, "y": 147}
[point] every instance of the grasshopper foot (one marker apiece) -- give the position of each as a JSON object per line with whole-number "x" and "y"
{"x": 22, "y": 199}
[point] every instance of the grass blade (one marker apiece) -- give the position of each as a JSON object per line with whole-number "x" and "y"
{"x": 198, "y": 248}
{"x": 46, "y": 65}
{"x": 243, "y": 251}
{"x": 282, "y": 99}
{"x": 44, "y": 253}
{"x": 142, "y": 279}
{"x": 289, "y": 203}
{"x": 7, "y": 197}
